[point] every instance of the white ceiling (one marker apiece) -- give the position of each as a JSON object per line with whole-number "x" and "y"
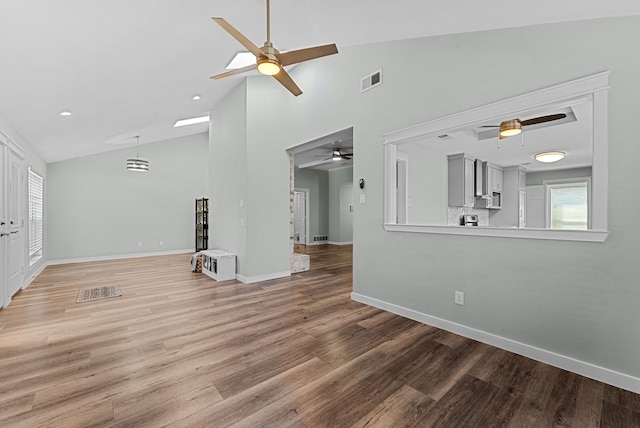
{"x": 126, "y": 68}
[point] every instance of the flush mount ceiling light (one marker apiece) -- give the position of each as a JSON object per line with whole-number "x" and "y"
{"x": 548, "y": 157}
{"x": 192, "y": 121}
{"x": 65, "y": 113}
{"x": 137, "y": 164}
{"x": 195, "y": 97}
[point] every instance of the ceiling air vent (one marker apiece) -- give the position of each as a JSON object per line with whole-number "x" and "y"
{"x": 371, "y": 81}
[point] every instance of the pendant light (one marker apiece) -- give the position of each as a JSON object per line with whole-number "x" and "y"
{"x": 137, "y": 164}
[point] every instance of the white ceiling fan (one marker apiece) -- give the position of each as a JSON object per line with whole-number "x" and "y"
{"x": 269, "y": 60}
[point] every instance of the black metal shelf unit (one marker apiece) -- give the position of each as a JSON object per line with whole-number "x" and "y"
{"x": 202, "y": 224}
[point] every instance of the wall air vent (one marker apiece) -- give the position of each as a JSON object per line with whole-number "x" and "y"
{"x": 371, "y": 81}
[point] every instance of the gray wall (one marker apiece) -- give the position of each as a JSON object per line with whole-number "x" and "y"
{"x": 97, "y": 208}
{"x": 340, "y": 229}
{"x": 536, "y": 178}
{"x": 318, "y": 184}
{"x": 584, "y": 303}
{"x": 227, "y": 172}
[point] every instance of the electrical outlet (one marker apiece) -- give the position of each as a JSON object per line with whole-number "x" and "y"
{"x": 459, "y": 298}
{"x": 362, "y": 198}
{"x": 139, "y": 243}
{"x": 161, "y": 243}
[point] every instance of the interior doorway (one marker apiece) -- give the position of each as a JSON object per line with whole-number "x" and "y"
{"x": 301, "y": 216}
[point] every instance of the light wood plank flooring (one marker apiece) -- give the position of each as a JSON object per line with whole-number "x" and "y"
{"x": 181, "y": 350}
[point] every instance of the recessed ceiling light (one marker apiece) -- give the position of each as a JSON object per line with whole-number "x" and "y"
{"x": 65, "y": 113}
{"x": 196, "y": 97}
{"x": 242, "y": 59}
{"x": 548, "y": 157}
{"x": 192, "y": 121}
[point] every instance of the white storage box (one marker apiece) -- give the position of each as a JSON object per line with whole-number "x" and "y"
{"x": 219, "y": 264}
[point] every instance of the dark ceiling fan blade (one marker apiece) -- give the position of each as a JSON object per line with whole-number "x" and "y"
{"x": 542, "y": 119}
{"x": 234, "y": 72}
{"x": 300, "y": 55}
{"x": 347, "y": 157}
{"x": 490, "y": 126}
{"x": 239, "y": 37}
{"x": 286, "y": 81}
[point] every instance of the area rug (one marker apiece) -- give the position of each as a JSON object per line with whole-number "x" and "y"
{"x": 97, "y": 293}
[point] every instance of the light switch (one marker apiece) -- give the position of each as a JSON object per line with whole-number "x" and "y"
{"x": 362, "y": 198}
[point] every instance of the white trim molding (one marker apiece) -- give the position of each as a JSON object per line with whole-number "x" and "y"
{"x": 504, "y": 232}
{"x": 594, "y": 88}
{"x": 265, "y": 277}
{"x": 602, "y": 374}
{"x": 118, "y": 257}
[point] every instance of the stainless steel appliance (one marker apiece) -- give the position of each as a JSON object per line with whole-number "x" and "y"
{"x": 469, "y": 220}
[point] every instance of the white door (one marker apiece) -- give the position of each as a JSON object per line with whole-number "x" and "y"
{"x": 300, "y": 217}
{"x": 4, "y": 230}
{"x": 522, "y": 209}
{"x": 16, "y": 224}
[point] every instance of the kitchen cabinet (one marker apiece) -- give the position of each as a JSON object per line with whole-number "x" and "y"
{"x": 494, "y": 179}
{"x": 492, "y": 187}
{"x": 461, "y": 180}
{"x": 513, "y": 212}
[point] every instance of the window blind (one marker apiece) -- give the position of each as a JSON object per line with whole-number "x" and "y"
{"x": 36, "y": 203}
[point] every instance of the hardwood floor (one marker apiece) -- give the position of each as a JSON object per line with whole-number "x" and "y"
{"x": 181, "y": 350}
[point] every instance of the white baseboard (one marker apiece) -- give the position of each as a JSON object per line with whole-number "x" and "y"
{"x": 340, "y": 243}
{"x": 118, "y": 257}
{"x": 589, "y": 370}
{"x": 265, "y": 277}
{"x": 34, "y": 275}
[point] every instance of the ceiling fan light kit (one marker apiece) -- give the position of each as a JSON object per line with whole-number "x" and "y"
{"x": 509, "y": 128}
{"x": 269, "y": 61}
{"x": 268, "y": 67}
{"x": 549, "y": 157}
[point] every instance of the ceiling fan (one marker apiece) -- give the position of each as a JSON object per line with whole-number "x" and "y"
{"x": 509, "y": 128}
{"x": 338, "y": 155}
{"x": 269, "y": 60}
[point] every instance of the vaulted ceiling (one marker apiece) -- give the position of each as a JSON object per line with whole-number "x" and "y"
{"x": 125, "y": 68}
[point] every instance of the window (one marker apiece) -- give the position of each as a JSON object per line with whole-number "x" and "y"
{"x": 36, "y": 202}
{"x": 568, "y": 203}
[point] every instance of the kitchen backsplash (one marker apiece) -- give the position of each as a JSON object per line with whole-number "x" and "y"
{"x": 456, "y": 213}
